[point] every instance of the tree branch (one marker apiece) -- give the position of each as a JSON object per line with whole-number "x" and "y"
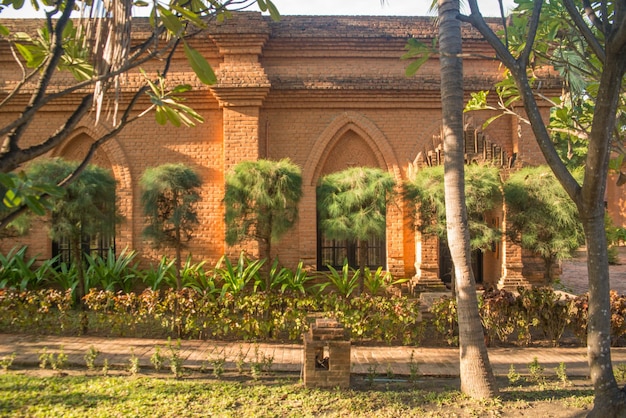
{"x": 597, "y": 48}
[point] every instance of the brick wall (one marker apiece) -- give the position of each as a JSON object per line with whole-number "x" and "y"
{"x": 326, "y": 92}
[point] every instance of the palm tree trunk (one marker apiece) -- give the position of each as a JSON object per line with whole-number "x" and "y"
{"x": 477, "y": 379}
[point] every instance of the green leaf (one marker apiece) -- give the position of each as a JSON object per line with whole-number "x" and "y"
{"x": 200, "y": 66}
{"x": 161, "y": 116}
{"x": 11, "y": 199}
{"x": 4, "y": 31}
{"x": 413, "y": 67}
{"x": 274, "y": 13}
{"x": 171, "y": 21}
{"x": 182, "y": 88}
{"x": 35, "y": 205}
{"x": 491, "y": 119}
{"x": 189, "y": 15}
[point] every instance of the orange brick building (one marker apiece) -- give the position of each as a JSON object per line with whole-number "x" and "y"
{"x": 326, "y": 92}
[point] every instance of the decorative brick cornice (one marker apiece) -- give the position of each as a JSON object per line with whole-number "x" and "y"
{"x": 241, "y": 79}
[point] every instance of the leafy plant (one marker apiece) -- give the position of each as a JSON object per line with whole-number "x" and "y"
{"x": 176, "y": 361}
{"x": 620, "y": 372}
{"x": 345, "y": 282}
{"x": 163, "y": 273}
{"x": 90, "y": 357}
{"x": 66, "y": 277}
{"x": 7, "y": 361}
{"x": 18, "y": 272}
{"x": 133, "y": 367}
{"x": 295, "y": 281}
{"x": 498, "y": 313}
{"x": 236, "y": 278}
{"x": 378, "y": 281}
{"x": 561, "y": 374}
{"x": 445, "y": 319}
{"x": 414, "y": 368}
{"x": 513, "y": 375}
{"x": 112, "y": 272}
{"x": 261, "y": 201}
{"x": 535, "y": 371}
{"x": 105, "y": 367}
{"x": 44, "y": 358}
{"x": 157, "y": 359}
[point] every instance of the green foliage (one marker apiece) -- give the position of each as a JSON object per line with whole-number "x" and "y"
{"x": 163, "y": 273}
{"x": 75, "y": 58}
{"x": 17, "y": 189}
{"x": 56, "y": 362}
{"x": 482, "y": 194}
{"x": 541, "y": 217}
{"x": 66, "y": 277}
{"x": 620, "y": 372}
{"x": 344, "y": 282}
{"x": 295, "y": 281}
{"x": 157, "y": 397}
{"x": 169, "y": 197}
{"x": 615, "y": 236}
{"x": 561, "y": 374}
{"x": 87, "y": 206}
{"x": 7, "y": 361}
{"x": 352, "y": 203}
{"x": 236, "y": 278}
{"x": 419, "y": 52}
{"x": 176, "y": 361}
{"x": 112, "y": 272}
{"x": 379, "y": 281}
{"x": 445, "y": 319}
{"x": 544, "y": 308}
{"x": 513, "y": 375}
{"x": 261, "y": 200}
{"x": 133, "y": 366}
{"x": 90, "y": 357}
{"x": 535, "y": 371}
{"x": 19, "y": 272}
{"x": 156, "y": 359}
{"x": 497, "y": 309}
{"x": 168, "y": 107}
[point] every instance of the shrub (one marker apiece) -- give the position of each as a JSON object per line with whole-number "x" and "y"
{"x": 498, "y": 314}
{"x": 445, "y": 319}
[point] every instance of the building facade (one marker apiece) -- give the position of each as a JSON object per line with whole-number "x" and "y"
{"x": 327, "y": 93}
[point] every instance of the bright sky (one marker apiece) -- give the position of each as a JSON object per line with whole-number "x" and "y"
{"x": 336, "y": 7}
{"x": 374, "y": 7}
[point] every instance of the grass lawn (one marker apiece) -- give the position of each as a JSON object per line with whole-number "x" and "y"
{"x": 34, "y": 393}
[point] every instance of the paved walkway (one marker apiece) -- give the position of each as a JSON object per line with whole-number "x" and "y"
{"x": 574, "y": 276}
{"x": 288, "y": 357}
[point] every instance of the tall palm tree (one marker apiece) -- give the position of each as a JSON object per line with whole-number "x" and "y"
{"x": 477, "y": 379}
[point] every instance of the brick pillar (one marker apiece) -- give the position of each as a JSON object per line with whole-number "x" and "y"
{"x": 326, "y": 355}
{"x": 512, "y": 264}
{"x": 241, "y": 87}
{"x": 426, "y": 263}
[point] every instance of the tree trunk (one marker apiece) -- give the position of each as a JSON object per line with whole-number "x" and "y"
{"x": 179, "y": 262}
{"x": 477, "y": 379}
{"x": 81, "y": 287}
{"x": 363, "y": 248}
{"x": 609, "y": 400}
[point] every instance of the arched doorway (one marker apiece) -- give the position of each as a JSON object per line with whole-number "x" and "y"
{"x": 349, "y": 150}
